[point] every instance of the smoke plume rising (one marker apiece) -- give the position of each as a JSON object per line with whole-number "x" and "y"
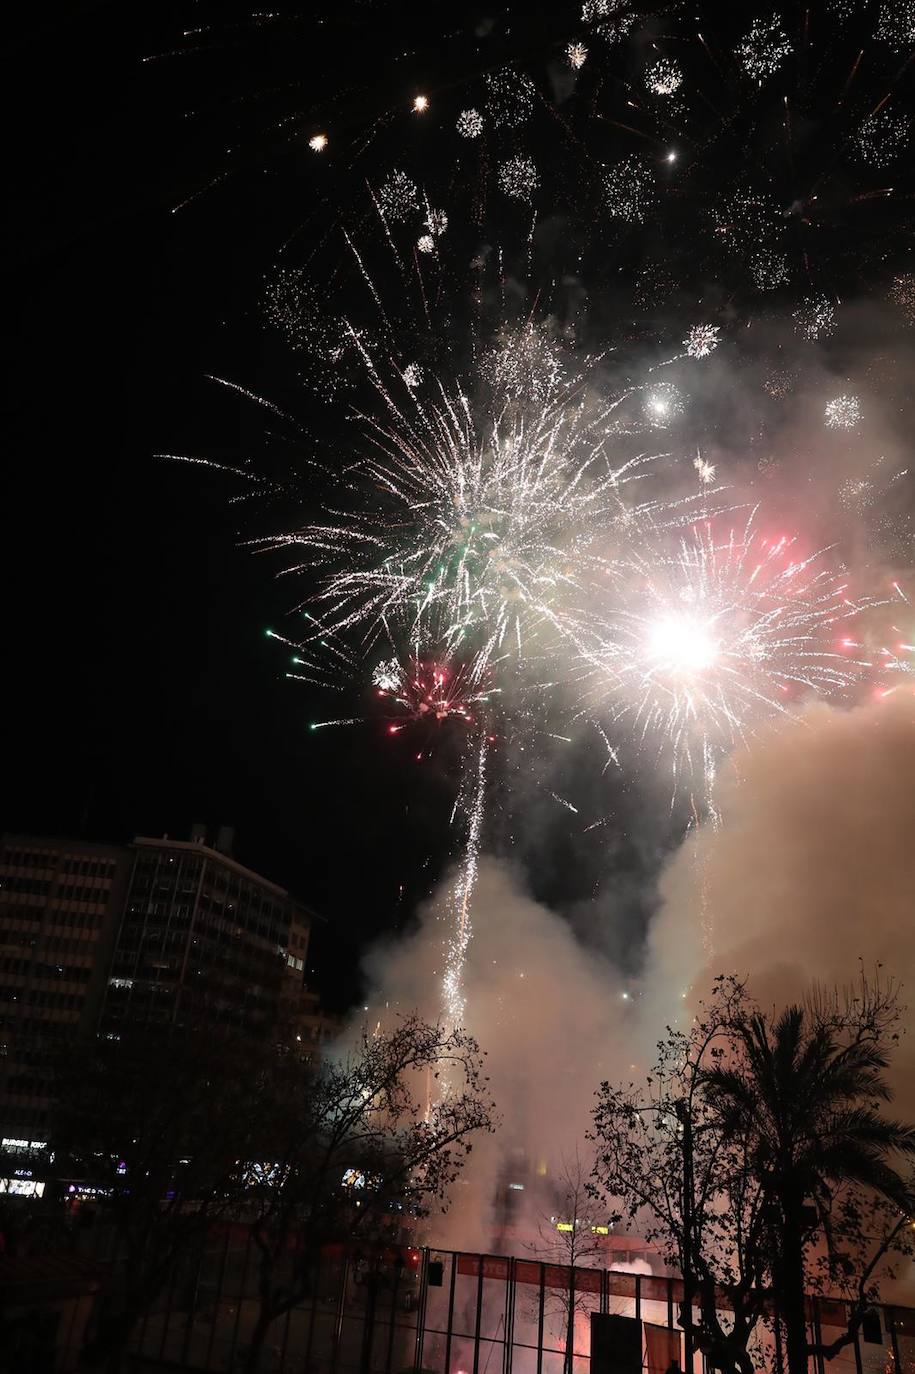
{"x": 812, "y": 870}
{"x": 550, "y": 1016}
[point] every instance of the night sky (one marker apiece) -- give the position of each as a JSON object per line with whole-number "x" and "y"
{"x": 141, "y": 691}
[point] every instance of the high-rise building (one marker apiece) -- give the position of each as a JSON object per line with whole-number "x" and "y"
{"x": 203, "y": 940}
{"x": 60, "y": 905}
{"x": 96, "y": 936}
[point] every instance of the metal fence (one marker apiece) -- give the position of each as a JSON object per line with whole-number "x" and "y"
{"x": 448, "y": 1312}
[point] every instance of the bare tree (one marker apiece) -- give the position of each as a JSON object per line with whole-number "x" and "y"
{"x": 156, "y": 1121}
{"x": 569, "y": 1236}
{"x": 356, "y": 1144}
{"x": 667, "y": 1166}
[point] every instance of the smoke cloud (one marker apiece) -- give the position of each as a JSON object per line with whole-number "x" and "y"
{"x": 551, "y": 1017}
{"x": 812, "y": 869}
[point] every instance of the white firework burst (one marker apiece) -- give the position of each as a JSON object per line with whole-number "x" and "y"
{"x": 519, "y": 178}
{"x": 629, "y": 190}
{"x": 702, "y": 340}
{"x": 843, "y": 412}
{"x": 469, "y": 124}
{"x": 764, "y": 48}
{"x": 664, "y": 77}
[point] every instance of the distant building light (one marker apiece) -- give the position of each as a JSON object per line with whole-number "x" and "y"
{"x": 518, "y": 1187}
{"x": 120, "y": 982}
{"x": 601, "y": 1230}
{"x": 565, "y": 1226}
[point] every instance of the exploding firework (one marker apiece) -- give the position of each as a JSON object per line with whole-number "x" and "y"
{"x": 629, "y": 190}
{"x": 487, "y": 530}
{"x": 429, "y": 692}
{"x": 664, "y": 77}
{"x": 815, "y": 317}
{"x": 702, "y": 340}
{"x": 717, "y": 636}
{"x": 764, "y": 49}
{"x": 469, "y": 124}
{"x": 576, "y": 56}
{"x": 843, "y": 412}
{"x": 519, "y": 178}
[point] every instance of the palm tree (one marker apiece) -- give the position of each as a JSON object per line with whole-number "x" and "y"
{"x": 808, "y": 1098}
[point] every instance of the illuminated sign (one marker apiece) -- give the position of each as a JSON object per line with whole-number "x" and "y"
{"x": 22, "y": 1187}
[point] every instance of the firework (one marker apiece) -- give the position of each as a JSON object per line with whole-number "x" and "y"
{"x": 398, "y": 197}
{"x": 769, "y": 269}
{"x": 429, "y": 692}
{"x": 882, "y": 138}
{"x": 663, "y": 404}
{"x": 815, "y": 317}
{"x": 896, "y": 23}
{"x": 519, "y": 178}
{"x": 436, "y": 222}
{"x": 469, "y": 124}
{"x": 317, "y": 143}
{"x": 421, "y": 104}
{"x": 764, "y": 49}
{"x": 426, "y": 243}
{"x": 664, "y": 77}
{"x": 412, "y": 376}
{"x": 485, "y": 532}
{"x": 902, "y": 294}
{"x": 509, "y": 98}
{"x": 710, "y": 639}
{"x": 629, "y": 190}
{"x": 576, "y": 56}
{"x": 702, "y": 340}
{"x": 843, "y": 412}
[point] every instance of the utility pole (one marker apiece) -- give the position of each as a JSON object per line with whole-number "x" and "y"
{"x": 681, "y": 1107}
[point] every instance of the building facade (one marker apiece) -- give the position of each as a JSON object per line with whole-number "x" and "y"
{"x": 203, "y": 941}
{"x": 94, "y": 937}
{"x": 61, "y": 903}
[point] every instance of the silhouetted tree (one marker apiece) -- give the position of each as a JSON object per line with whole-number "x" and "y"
{"x": 568, "y": 1237}
{"x": 757, "y": 1157}
{"x": 805, "y": 1090}
{"x": 382, "y": 1131}
{"x": 157, "y": 1121}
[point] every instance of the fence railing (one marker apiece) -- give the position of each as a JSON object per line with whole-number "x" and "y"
{"x": 450, "y": 1312}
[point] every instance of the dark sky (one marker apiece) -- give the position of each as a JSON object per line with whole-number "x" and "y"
{"x": 141, "y": 693}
